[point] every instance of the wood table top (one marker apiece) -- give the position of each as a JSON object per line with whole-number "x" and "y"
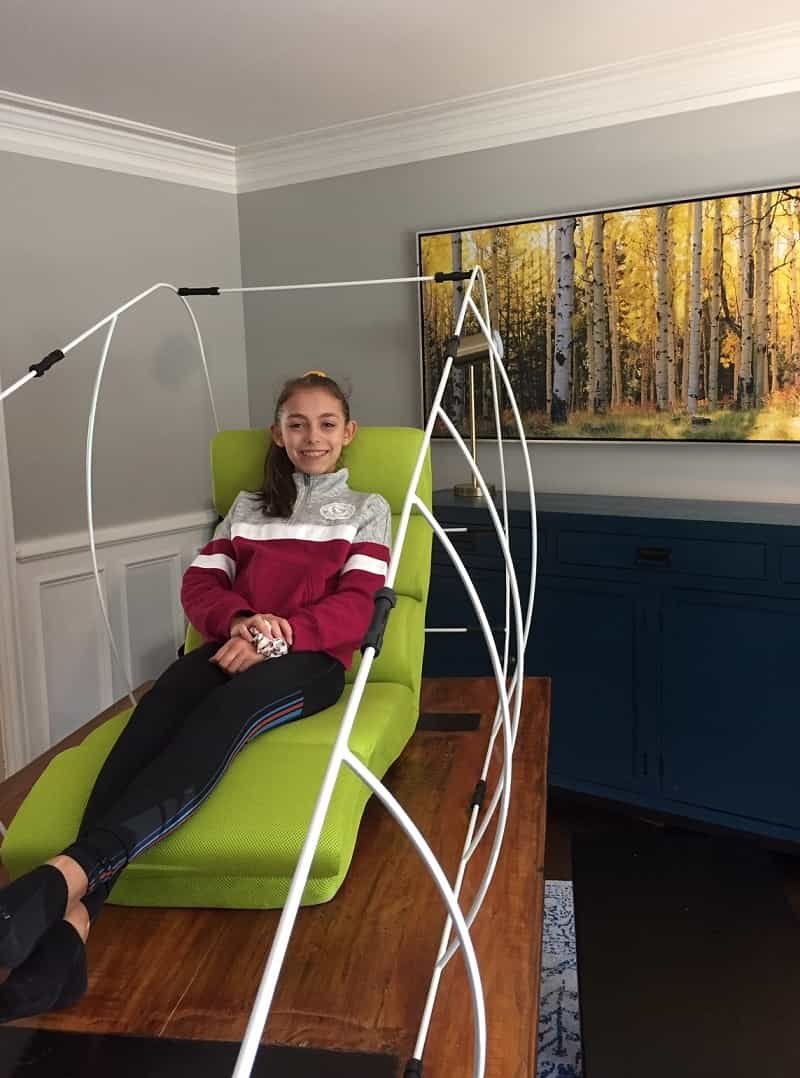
{"x": 358, "y": 967}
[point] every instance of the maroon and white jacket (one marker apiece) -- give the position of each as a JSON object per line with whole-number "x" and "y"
{"x": 318, "y": 568}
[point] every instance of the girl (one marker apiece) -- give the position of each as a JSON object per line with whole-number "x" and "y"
{"x": 292, "y": 569}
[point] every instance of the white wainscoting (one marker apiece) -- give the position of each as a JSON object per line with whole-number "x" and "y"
{"x": 69, "y": 670}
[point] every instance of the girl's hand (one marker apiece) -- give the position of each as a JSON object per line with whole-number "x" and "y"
{"x": 236, "y": 656}
{"x": 267, "y": 624}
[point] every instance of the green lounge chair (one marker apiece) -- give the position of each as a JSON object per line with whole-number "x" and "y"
{"x": 240, "y": 848}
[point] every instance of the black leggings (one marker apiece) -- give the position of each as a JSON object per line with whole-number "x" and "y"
{"x": 180, "y": 740}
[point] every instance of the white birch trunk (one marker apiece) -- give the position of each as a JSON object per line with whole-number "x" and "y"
{"x": 482, "y": 370}
{"x": 549, "y": 314}
{"x": 757, "y": 312}
{"x": 712, "y": 391}
{"x": 565, "y": 306}
{"x": 598, "y": 391}
{"x": 687, "y": 319}
{"x": 761, "y": 376}
{"x": 775, "y": 344}
{"x": 459, "y": 376}
{"x": 794, "y": 294}
{"x": 674, "y": 389}
{"x": 662, "y": 313}
{"x": 588, "y": 305}
{"x": 695, "y": 310}
{"x": 613, "y": 325}
{"x": 744, "y": 389}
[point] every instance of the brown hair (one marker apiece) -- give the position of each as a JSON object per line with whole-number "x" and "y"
{"x": 279, "y": 492}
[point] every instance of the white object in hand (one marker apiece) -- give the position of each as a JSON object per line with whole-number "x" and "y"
{"x": 267, "y": 646}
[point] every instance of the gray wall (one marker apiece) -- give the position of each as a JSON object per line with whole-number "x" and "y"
{"x": 76, "y": 242}
{"x": 364, "y": 226}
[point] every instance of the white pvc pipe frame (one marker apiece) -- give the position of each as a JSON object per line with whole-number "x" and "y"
{"x": 341, "y": 753}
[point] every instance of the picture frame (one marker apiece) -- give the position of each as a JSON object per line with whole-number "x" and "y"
{"x": 666, "y": 322}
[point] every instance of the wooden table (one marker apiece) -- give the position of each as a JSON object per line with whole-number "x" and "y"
{"x": 358, "y": 968}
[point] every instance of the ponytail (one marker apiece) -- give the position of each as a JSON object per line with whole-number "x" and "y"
{"x": 279, "y": 491}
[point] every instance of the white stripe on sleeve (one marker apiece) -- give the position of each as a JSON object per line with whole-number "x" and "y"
{"x": 366, "y": 565}
{"x": 215, "y": 561}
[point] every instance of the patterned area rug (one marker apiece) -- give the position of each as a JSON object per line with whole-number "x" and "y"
{"x": 559, "y": 1050}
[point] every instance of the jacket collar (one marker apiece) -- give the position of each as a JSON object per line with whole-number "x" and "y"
{"x": 326, "y": 485}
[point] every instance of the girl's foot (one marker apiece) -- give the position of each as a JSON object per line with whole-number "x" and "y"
{"x": 53, "y": 977}
{"x": 28, "y": 908}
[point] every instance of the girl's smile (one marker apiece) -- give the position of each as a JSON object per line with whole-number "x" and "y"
{"x": 313, "y": 431}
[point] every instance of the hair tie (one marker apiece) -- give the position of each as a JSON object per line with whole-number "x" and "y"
{"x": 322, "y": 374}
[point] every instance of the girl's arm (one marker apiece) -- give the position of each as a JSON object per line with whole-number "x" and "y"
{"x": 342, "y": 619}
{"x": 206, "y": 592}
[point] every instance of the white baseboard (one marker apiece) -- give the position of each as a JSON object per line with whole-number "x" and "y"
{"x": 68, "y": 667}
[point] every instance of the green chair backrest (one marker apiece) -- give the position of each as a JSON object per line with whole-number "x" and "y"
{"x": 380, "y": 460}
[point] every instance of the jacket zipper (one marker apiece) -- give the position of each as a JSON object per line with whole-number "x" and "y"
{"x": 303, "y": 495}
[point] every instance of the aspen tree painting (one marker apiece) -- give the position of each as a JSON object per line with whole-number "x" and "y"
{"x": 673, "y": 322}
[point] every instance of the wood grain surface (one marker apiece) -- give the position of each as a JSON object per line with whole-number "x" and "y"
{"x": 358, "y": 967}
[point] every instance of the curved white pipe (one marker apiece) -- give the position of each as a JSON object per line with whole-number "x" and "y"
{"x": 519, "y": 672}
{"x": 454, "y": 911}
{"x": 505, "y": 783}
{"x": 443, "y": 954}
{"x": 190, "y": 312}
{"x": 90, "y": 505}
{"x": 112, "y": 320}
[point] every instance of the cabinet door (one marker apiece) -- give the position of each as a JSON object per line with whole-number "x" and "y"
{"x": 462, "y": 654}
{"x": 731, "y": 733}
{"x": 596, "y": 641}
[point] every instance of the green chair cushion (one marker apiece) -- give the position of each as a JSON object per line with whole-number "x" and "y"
{"x": 239, "y": 849}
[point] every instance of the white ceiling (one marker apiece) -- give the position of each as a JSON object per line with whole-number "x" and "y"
{"x": 242, "y": 71}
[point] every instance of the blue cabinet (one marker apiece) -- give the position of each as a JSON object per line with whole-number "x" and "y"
{"x": 671, "y": 633}
{"x": 732, "y": 733}
{"x": 585, "y": 639}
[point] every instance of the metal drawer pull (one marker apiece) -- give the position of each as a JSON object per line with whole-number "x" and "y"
{"x": 654, "y": 555}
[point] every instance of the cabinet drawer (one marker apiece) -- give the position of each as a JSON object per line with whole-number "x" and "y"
{"x": 450, "y": 606}
{"x": 701, "y": 557}
{"x": 459, "y": 654}
{"x": 479, "y": 547}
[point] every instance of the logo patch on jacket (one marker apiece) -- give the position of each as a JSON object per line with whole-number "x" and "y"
{"x": 337, "y": 510}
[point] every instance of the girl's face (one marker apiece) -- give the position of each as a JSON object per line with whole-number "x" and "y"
{"x": 311, "y": 428}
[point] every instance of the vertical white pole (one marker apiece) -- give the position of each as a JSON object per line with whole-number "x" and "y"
{"x": 13, "y": 728}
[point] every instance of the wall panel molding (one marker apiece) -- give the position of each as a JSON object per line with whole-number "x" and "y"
{"x": 77, "y": 542}
{"x": 141, "y": 565}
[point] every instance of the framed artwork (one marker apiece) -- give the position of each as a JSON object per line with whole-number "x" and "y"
{"x": 674, "y": 322}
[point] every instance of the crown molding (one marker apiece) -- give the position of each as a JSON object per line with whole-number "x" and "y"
{"x": 738, "y": 68}
{"x": 62, "y": 133}
{"x": 743, "y": 67}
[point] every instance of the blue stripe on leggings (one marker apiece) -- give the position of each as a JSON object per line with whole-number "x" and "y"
{"x": 258, "y": 721}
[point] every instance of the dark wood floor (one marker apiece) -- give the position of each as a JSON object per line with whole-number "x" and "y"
{"x": 567, "y": 816}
